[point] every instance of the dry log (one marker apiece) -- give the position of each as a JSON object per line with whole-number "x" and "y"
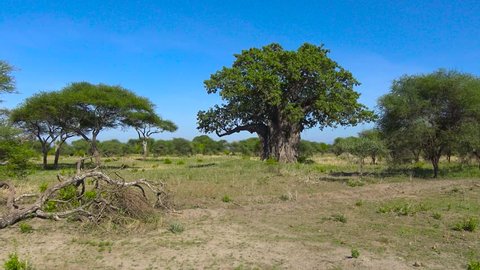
{"x": 88, "y": 208}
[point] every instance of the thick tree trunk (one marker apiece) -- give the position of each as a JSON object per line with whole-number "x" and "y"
{"x": 435, "y": 160}
{"x": 145, "y": 148}
{"x": 283, "y": 141}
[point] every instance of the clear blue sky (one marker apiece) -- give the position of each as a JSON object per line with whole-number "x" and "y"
{"x": 164, "y": 50}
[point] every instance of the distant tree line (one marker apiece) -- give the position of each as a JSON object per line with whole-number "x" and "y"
{"x": 203, "y": 145}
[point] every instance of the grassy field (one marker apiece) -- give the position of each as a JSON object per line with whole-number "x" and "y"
{"x": 240, "y": 213}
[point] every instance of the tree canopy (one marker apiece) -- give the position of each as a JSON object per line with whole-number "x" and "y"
{"x": 277, "y": 93}
{"x": 7, "y": 82}
{"x": 431, "y": 110}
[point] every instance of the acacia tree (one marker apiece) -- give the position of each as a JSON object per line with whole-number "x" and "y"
{"x": 94, "y": 108}
{"x": 146, "y": 124}
{"x": 277, "y": 94}
{"x": 7, "y": 82}
{"x": 44, "y": 115}
{"x": 432, "y": 109}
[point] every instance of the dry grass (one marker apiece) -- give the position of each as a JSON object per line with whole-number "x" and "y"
{"x": 280, "y": 218}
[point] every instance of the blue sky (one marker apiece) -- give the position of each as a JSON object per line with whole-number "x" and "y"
{"x": 164, "y": 50}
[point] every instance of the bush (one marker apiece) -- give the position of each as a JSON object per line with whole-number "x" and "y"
{"x": 339, "y": 218}
{"x": 25, "y": 228}
{"x": 226, "y": 199}
{"x": 473, "y": 265}
{"x": 468, "y": 224}
{"x": 355, "y": 253}
{"x": 14, "y": 263}
{"x": 176, "y": 228}
{"x": 167, "y": 161}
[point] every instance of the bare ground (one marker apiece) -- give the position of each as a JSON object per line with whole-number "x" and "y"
{"x": 258, "y": 233}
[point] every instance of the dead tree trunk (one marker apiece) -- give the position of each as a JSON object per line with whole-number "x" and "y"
{"x": 93, "y": 208}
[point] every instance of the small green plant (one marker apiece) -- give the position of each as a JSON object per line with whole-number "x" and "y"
{"x": 226, "y": 199}
{"x": 181, "y": 162}
{"x": 167, "y": 161}
{"x": 359, "y": 203}
{"x": 339, "y": 218}
{"x": 50, "y": 206}
{"x": 437, "y": 216}
{"x": 25, "y": 227}
{"x": 473, "y": 265}
{"x": 468, "y": 224}
{"x": 176, "y": 228}
{"x": 355, "y": 253}
{"x": 67, "y": 193}
{"x": 14, "y": 263}
{"x": 355, "y": 183}
{"x": 199, "y": 160}
{"x": 271, "y": 161}
{"x": 284, "y": 197}
{"x": 90, "y": 195}
{"x": 43, "y": 187}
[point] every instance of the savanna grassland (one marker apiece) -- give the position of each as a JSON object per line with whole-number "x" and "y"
{"x": 236, "y": 212}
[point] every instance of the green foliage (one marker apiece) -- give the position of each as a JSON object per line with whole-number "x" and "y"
{"x": 167, "y": 161}
{"x": 90, "y": 195}
{"x": 7, "y": 82}
{"x": 67, "y": 193}
{"x": 112, "y": 148}
{"x": 473, "y": 265}
{"x": 14, "y": 263}
{"x": 339, "y": 218}
{"x": 355, "y": 183}
{"x": 355, "y": 253}
{"x": 437, "y": 216}
{"x": 428, "y": 112}
{"x": 260, "y": 92}
{"x": 50, "y": 206}
{"x": 206, "y": 146}
{"x": 468, "y": 224}
{"x": 25, "y": 227}
{"x": 43, "y": 187}
{"x": 226, "y": 199}
{"x": 16, "y": 154}
{"x": 176, "y": 228}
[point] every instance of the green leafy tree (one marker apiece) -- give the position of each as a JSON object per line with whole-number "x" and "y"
{"x": 98, "y": 107}
{"x": 7, "y": 82}
{"x": 112, "y": 148}
{"x": 181, "y": 147}
{"x": 207, "y": 146}
{"x": 162, "y": 148}
{"x": 147, "y": 123}
{"x": 43, "y": 115}
{"x": 430, "y": 109}
{"x": 277, "y": 94}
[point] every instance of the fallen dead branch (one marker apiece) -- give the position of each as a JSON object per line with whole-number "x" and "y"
{"x": 88, "y": 195}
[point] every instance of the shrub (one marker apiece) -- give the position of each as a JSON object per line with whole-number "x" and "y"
{"x": 43, "y": 187}
{"x": 437, "y": 216}
{"x": 355, "y": 183}
{"x": 226, "y": 199}
{"x": 467, "y": 224}
{"x": 25, "y": 228}
{"x": 167, "y": 161}
{"x": 176, "y": 228}
{"x": 180, "y": 162}
{"x": 359, "y": 203}
{"x": 339, "y": 218}
{"x": 473, "y": 265}
{"x": 14, "y": 263}
{"x": 355, "y": 253}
